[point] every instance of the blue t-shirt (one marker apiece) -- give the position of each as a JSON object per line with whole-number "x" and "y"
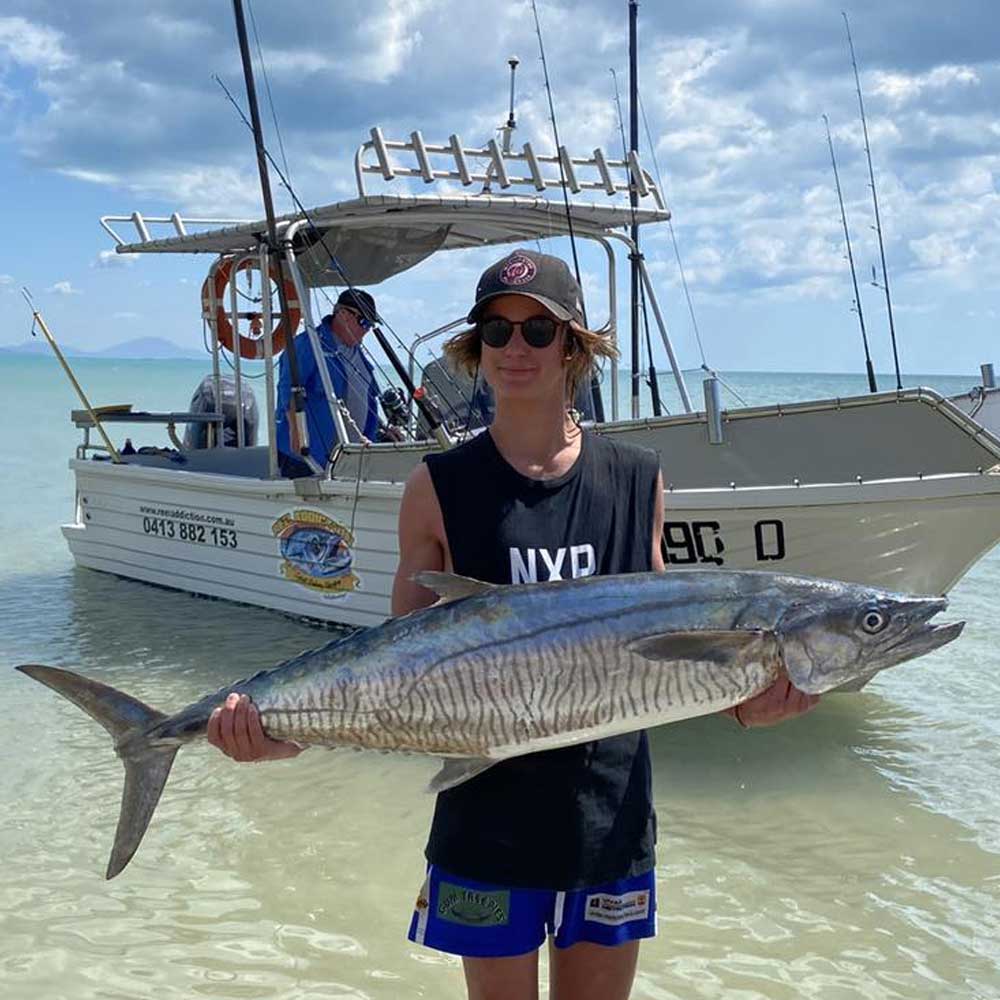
{"x": 353, "y": 381}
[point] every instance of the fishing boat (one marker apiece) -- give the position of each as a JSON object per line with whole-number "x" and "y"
{"x": 899, "y": 489}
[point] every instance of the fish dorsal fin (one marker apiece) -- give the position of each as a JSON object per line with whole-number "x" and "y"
{"x": 455, "y": 770}
{"x": 702, "y": 645}
{"x": 450, "y": 586}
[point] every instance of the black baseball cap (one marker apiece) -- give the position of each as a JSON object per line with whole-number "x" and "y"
{"x": 360, "y": 301}
{"x": 539, "y": 276}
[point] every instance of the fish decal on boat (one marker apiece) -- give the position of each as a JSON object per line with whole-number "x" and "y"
{"x": 316, "y": 552}
{"x": 494, "y": 672}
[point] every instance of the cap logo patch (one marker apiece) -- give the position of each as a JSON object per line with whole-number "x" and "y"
{"x": 518, "y": 271}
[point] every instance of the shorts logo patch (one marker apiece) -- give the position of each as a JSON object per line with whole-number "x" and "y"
{"x": 473, "y": 908}
{"x": 518, "y": 270}
{"x": 603, "y": 908}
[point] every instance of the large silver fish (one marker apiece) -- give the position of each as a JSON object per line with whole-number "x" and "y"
{"x": 493, "y": 672}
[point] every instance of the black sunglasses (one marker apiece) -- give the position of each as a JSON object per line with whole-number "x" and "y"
{"x": 364, "y": 322}
{"x": 538, "y": 331}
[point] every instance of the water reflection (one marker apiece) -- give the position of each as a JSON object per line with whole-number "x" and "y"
{"x": 821, "y": 859}
{"x": 793, "y": 865}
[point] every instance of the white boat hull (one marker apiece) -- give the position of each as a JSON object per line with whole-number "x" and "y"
{"x": 899, "y": 490}
{"x": 194, "y": 533}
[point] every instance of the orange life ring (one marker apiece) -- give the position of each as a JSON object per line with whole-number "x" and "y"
{"x": 213, "y": 302}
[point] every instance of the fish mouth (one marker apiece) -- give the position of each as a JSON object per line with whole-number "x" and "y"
{"x": 921, "y": 635}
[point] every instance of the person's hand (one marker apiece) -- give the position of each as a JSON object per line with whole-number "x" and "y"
{"x": 781, "y": 701}
{"x": 234, "y": 727}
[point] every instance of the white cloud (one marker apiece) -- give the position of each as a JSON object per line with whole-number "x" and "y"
{"x": 901, "y": 87}
{"x": 111, "y": 259}
{"x": 207, "y": 190}
{"x": 216, "y": 191}
{"x": 125, "y": 315}
{"x": 176, "y": 30}
{"x": 943, "y": 251}
{"x": 299, "y": 62}
{"x": 90, "y": 176}
{"x": 63, "y": 288}
{"x": 29, "y": 44}
{"x": 387, "y": 39}
{"x": 6, "y": 279}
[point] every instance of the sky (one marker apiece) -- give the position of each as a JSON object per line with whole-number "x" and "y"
{"x": 108, "y": 107}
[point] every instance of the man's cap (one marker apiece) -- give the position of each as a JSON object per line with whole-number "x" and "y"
{"x": 539, "y": 276}
{"x": 360, "y": 301}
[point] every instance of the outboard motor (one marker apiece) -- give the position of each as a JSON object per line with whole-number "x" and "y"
{"x": 203, "y": 401}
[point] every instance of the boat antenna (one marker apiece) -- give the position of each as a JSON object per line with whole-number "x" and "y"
{"x": 508, "y": 129}
{"x": 595, "y": 385}
{"x": 872, "y": 387}
{"x": 653, "y": 382}
{"x": 878, "y": 222}
{"x": 298, "y": 393}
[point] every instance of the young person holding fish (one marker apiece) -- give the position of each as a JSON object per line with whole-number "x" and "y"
{"x": 556, "y": 844}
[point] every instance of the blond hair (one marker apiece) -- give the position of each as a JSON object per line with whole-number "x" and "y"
{"x": 583, "y": 349}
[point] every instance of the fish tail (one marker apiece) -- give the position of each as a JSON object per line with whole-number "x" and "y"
{"x": 147, "y": 764}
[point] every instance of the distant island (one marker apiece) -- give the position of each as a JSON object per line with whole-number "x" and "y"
{"x": 139, "y": 349}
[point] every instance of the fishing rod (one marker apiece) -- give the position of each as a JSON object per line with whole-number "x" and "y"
{"x": 298, "y": 392}
{"x": 878, "y": 222}
{"x": 301, "y": 413}
{"x": 595, "y": 384}
{"x": 850, "y": 256}
{"x": 428, "y": 410}
{"x": 633, "y": 194}
{"x": 652, "y": 381}
{"x": 61, "y": 358}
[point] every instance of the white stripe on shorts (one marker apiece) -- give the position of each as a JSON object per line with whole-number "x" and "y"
{"x": 423, "y": 912}
{"x": 557, "y": 917}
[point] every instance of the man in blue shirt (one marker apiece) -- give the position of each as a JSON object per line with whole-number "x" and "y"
{"x": 352, "y": 377}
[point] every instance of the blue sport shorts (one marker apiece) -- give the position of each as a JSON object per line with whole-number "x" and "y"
{"x": 481, "y": 920}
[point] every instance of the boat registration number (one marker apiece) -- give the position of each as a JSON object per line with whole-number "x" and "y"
{"x": 688, "y": 542}
{"x": 200, "y": 534}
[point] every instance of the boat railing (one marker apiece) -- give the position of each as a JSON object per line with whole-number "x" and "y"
{"x": 85, "y": 421}
{"x": 460, "y": 162}
{"x": 142, "y": 223}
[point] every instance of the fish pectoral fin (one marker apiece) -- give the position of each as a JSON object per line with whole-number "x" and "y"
{"x": 455, "y": 770}
{"x": 451, "y": 586}
{"x": 703, "y": 645}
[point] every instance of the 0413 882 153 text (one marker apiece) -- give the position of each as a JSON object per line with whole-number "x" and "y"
{"x": 200, "y": 534}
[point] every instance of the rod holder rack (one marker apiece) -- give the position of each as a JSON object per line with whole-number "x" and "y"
{"x": 458, "y": 162}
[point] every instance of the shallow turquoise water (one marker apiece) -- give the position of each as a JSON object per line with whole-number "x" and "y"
{"x": 853, "y": 853}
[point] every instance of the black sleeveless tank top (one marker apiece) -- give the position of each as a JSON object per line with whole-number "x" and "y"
{"x": 582, "y": 815}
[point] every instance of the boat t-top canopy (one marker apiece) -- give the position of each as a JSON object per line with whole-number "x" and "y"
{"x": 374, "y": 236}
{"x": 377, "y": 236}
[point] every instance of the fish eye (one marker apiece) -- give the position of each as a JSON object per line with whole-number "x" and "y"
{"x": 874, "y": 621}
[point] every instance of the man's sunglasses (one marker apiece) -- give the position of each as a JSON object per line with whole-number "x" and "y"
{"x": 537, "y": 331}
{"x": 363, "y": 321}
